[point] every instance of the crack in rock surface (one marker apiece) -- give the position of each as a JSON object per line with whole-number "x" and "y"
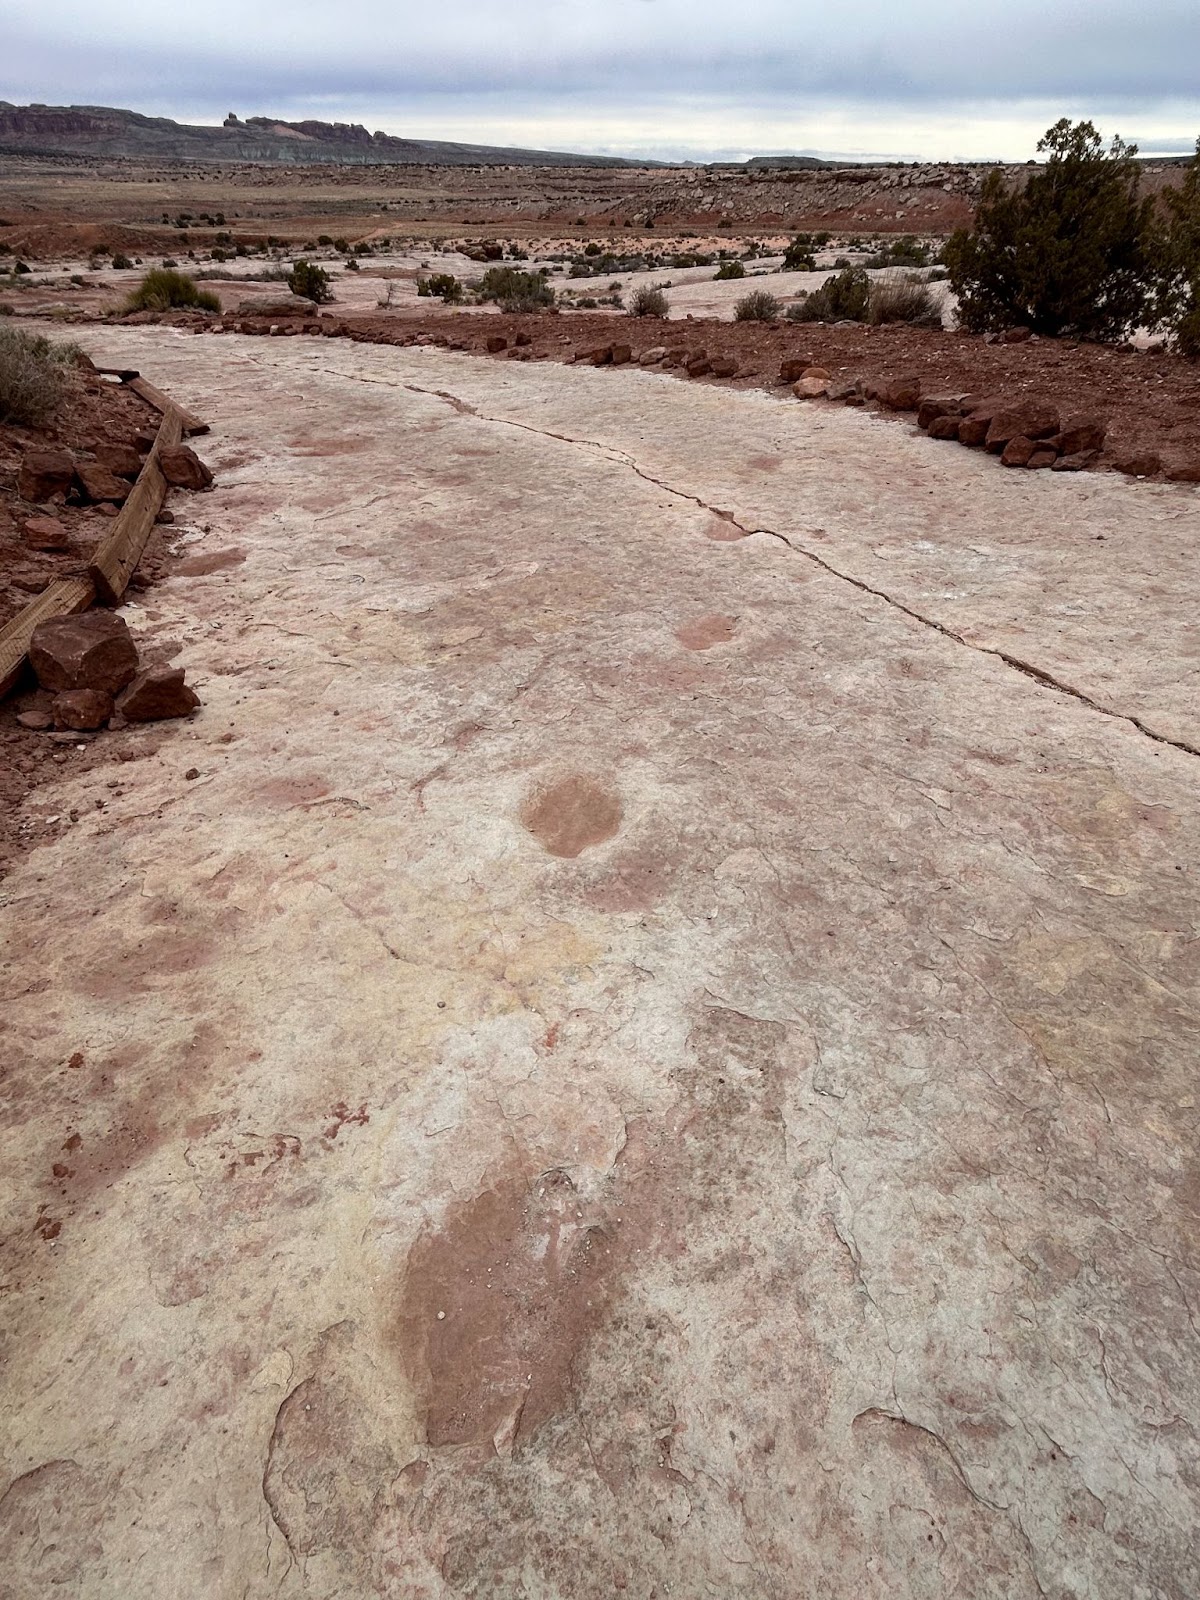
{"x": 645, "y": 1067}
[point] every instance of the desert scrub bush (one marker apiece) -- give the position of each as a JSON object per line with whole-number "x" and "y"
{"x": 310, "y": 281}
{"x": 1177, "y": 296}
{"x": 729, "y": 269}
{"x": 905, "y": 252}
{"x": 843, "y": 298}
{"x": 514, "y": 290}
{"x": 649, "y": 301}
{"x": 757, "y": 306}
{"x": 165, "y": 289}
{"x": 440, "y": 286}
{"x": 801, "y": 254}
{"x": 902, "y": 297}
{"x": 32, "y": 376}
{"x": 1070, "y": 252}
{"x": 121, "y": 262}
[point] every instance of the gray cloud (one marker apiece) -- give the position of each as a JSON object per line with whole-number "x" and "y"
{"x": 645, "y": 66}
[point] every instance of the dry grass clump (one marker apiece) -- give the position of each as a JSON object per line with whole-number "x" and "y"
{"x": 902, "y": 297}
{"x": 757, "y": 306}
{"x": 649, "y": 301}
{"x": 32, "y": 376}
{"x": 164, "y": 289}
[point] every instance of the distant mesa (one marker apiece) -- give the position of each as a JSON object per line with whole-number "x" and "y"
{"x": 103, "y": 131}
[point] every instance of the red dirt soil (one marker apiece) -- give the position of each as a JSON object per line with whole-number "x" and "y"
{"x": 92, "y": 411}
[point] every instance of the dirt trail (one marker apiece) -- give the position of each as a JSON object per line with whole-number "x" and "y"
{"x": 656, "y": 1057}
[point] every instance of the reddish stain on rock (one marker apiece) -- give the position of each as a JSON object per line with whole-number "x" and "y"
{"x": 499, "y": 1304}
{"x": 572, "y": 814}
{"x": 704, "y": 632}
{"x": 214, "y": 561}
{"x": 724, "y": 529}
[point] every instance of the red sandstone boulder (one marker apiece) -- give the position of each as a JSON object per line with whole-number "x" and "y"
{"x": 1043, "y": 456}
{"x": 120, "y": 459}
{"x": 848, "y": 390}
{"x": 182, "y": 467}
{"x": 1076, "y": 463}
{"x": 156, "y": 695}
{"x": 621, "y": 354}
{"x": 794, "y": 368}
{"x": 900, "y": 394}
{"x": 45, "y": 533}
{"x": 1182, "y": 469}
{"x": 92, "y": 651}
{"x": 810, "y": 388}
{"x": 99, "y": 484}
{"x": 1078, "y": 434}
{"x": 45, "y": 473}
{"x": 933, "y": 406}
{"x": 944, "y": 427}
{"x": 724, "y": 367}
{"x": 81, "y": 709}
{"x": 1138, "y": 461}
{"x": 1031, "y": 419}
{"x": 1017, "y": 452}
{"x": 698, "y": 365}
{"x": 496, "y": 342}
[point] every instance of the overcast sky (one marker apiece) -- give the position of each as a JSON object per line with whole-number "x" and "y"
{"x": 669, "y": 78}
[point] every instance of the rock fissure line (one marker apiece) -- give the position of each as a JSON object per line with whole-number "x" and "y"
{"x": 1016, "y": 663}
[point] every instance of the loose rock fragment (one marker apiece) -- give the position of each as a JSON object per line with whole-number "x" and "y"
{"x": 92, "y": 651}
{"x": 82, "y": 709}
{"x": 45, "y": 533}
{"x": 100, "y": 485}
{"x": 1029, "y": 419}
{"x": 45, "y": 473}
{"x": 121, "y": 459}
{"x": 157, "y": 694}
{"x": 182, "y": 467}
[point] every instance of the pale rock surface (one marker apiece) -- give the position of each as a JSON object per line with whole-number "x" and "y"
{"x": 656, "y": 1058}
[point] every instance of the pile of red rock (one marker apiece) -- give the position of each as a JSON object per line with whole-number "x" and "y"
{"x": 49, "y": 474}
{"x": 89, "y": 664}
{"x": 1023, "y": 433}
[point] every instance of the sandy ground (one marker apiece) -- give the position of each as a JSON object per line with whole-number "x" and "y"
{"x": 691, "y": 291}
{"x": 655, "y": 1056}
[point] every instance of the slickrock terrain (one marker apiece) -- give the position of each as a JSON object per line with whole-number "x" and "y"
{"x": 642, "y": 1040}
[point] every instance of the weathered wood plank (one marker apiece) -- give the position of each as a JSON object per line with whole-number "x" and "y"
{"x": 161, "y": 402}
{"x": 62, "y": 599}
{"x": 114, "y": 562}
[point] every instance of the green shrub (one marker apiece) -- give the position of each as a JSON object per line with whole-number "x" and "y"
{"x": 905, "y": 252}
{"x": 311, "y": 281}
{"x": 1177, "y": 296}
{"x": 757, "y": 306}
{"x": 352, "y": 265}
{"x": 902, "y": 297}
{"x": 32, "y": 376}
{"x": 729, "y": 269}
{"x": 801, "y": 254}
{"x": 515, "y": 290}
{"x": 649, "y": 301}
{"x": 843, "y": 298}
{"x": 442, "y": 285}
{"x": 1071, "y": 251}
{"x": 164, "y": 289}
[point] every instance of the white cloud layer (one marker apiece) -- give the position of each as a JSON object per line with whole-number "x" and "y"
{"x": 699, "y": 78}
